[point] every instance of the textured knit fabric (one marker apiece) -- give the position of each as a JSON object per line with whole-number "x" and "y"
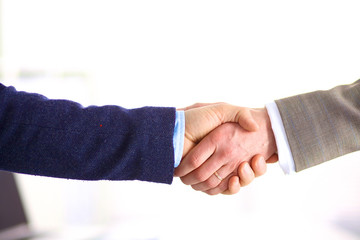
{"x": 322, "y": 125}
{"x": 60, "y": 138}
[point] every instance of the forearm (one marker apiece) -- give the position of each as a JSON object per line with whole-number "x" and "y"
{"x": 264, "y": 137}
{"x": 322, "y": 125}
{"x": 62, "y": 139}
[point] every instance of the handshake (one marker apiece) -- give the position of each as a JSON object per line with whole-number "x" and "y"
{"x": 225, "y": 147}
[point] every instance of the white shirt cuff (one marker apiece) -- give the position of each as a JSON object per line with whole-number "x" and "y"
{"x": 286, "y": 159}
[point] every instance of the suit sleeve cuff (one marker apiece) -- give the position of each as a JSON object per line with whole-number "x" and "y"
{"x": 178, "y": 139}
{"x": 286, "y": 159}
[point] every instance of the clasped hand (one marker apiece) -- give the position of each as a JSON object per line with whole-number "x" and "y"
{"x": 225, "y": 147}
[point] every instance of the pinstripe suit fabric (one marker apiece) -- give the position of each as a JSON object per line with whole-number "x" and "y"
{"x": 322, "y": 125}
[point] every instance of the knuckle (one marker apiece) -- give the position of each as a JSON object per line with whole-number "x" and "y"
{"x": 219, "y": 189}
{"x": 197, "y": 187}
{"x": 231, "y": 153}
{"x": 212, "y": 192}
{"x": 228, "y": 155}
{"x": 199, "y": 176}
{"x": 213, "y": 137}
{"x": 185, "y": 180}
{"x": 209, "y": 184}
{"x": 194, "y": 161}
{"x": 233, "y": 167}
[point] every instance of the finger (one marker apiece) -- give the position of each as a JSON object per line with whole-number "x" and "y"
{"x": 195, "y": 158}
{"x": 204, "y": 172}
{"x": 223, "y": 186}
{"x": 273, "y": 159}
{"x": 214, "y": 180}
{"x": 196, "y": 105}
{"x": 258, "y": 165}
{"x": 233, "y": 186}
{"x": 246, "y": 174}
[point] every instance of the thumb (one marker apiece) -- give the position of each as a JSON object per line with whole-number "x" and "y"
{"x": 242, "y": 116}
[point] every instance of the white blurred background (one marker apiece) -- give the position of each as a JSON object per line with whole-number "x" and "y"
{"x": 174, "y": 53}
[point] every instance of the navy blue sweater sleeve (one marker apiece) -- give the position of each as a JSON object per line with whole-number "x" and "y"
{"x": 60, "y": 138}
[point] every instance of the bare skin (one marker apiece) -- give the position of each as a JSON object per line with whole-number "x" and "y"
{"x": 224, "y": 150}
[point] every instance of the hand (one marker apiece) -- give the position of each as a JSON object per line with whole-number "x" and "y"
{"x": 202, "y": 118}
{"x": 223, "y": 150}
{"x": 247, "y": 174}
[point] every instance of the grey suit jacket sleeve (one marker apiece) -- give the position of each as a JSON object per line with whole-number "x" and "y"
{"x": 322, "y": 125}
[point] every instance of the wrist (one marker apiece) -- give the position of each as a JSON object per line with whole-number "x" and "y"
{"x": 268, "y": 143}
